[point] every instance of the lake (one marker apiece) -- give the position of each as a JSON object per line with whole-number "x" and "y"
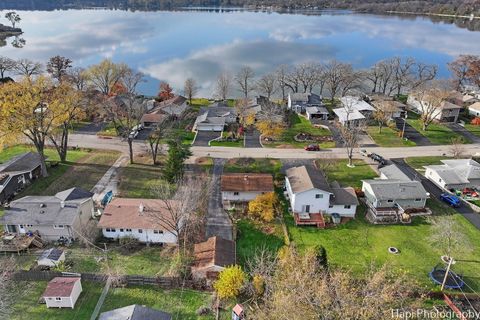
{"x": 173, "y": 46}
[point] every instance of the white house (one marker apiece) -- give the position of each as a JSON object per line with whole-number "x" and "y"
{"x": 51, "y": 258}
{"x": 62, "y": 292}
{"x": 455, "y": 174}
{"x": 474, "y": 109}
{"x": 147, "y": 220}
{"x": 244, "y": 187}
{"x": 445, "y": 112}
{"x": 354, "y": 111}
{"x": 312, "y": 197}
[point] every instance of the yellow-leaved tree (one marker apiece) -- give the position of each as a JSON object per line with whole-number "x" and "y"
{"x": 264, "y": 206}
{"x": 271, "y": 128}
{"x": 230, "y": 282}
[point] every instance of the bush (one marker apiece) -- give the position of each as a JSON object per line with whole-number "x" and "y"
{"x": 230, "y": 282}
{"x": 128, "y": 242}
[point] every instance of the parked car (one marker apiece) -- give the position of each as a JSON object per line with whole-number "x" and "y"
{"x": 470, "y": 192}
{"x": 364, "y": 152}
{"x": 133, "y": 134}
{"x": 451, "y": 200}
{"x": 312, "y": 147}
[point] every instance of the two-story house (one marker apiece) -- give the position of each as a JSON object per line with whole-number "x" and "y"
{"x": 445, "y": 111}
{"x": 299, "y": 102}
{"x": 65, "y": 214}
{"x": 312, "y": 198}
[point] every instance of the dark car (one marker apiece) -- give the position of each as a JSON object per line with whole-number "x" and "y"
{"x": 450, "y": 199}
{"x": 312, "y": 147}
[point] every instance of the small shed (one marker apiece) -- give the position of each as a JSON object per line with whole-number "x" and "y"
{"x": 62, "y": 292}
{"x": 238, "y": 313}
{"x": 51, "y": 257}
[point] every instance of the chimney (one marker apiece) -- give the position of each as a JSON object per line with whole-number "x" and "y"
{"x": 62, "y": 204}
{"x": 141, "y": 208}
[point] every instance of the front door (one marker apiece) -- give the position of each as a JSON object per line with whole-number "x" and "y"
{"x": 12, "y": 228}
{"x": 307, "y": 208}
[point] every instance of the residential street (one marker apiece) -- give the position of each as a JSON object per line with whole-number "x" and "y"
{"x": 435, "y": 191}
{"x": 218, "y": 221}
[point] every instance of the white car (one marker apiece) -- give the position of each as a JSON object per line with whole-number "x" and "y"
{"x": 133, "y": 134}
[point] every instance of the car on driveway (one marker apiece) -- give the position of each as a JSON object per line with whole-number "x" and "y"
{"x": 364, "y": 152}
{"x": 451, "y": 200}
{"x": 312, "y": 147}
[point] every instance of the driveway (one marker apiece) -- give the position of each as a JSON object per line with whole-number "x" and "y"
{"x": 204, "y": 137}
{"x": 464, "y": 132}
{"x": 91, "y": 128}
{"x": 411, "y": 133}
{"x": 435, "y": 191}
{"x": 218, "y": 221}
{"x": 143, "y": 134}
{"x": 252, "y": 138}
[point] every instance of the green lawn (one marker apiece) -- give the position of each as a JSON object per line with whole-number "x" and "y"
{"x": 436, "y": 133}
{"x": 181, "y": 304}
{"x": 346, "y": 176}
{"x": 251, "y": 165}
{"x": 473, "y": 129}
{"x": 236, "y": 144}
{"x": 418, "y": 162}
{"x": 137, "y": 180}
{"x": 358, "y": 244}
{"x": 388, "y": 137}
{"x": 251, "y": 237}
{"x": 28, "y": 308}
{"x": 300, "y": 125}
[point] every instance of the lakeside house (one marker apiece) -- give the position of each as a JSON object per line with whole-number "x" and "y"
{"x": 147, "y": 220}
{"x": 474, "y": 109}
{"x": 447, "y": 111}
{"x": 388, "y": 105}
{"x": 354, "y": 111}
{"x": 299, "y": 102}
{"x": 62, "y": 292}
{"x": 212, "y": 256}
{"x": 313, "y": 200}
{"x": 244, "y": 187}
{"x": 135, "y": 312}
{"x": 18, "y": 173}
{"x": 394, "y": 197}
{"x": 174, "y": 107}
{"x": 215, "y": 117}
{"x": 455, "y": 174}
{"x": 62, "y": 216}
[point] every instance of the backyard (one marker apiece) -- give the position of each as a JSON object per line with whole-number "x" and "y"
{"x": 137, "y": 180}
{"x": 300, "y": 124}
{"x": 388, "y": 137}
{"x": 436, "y": 133}
{"x": 253, "y": 165}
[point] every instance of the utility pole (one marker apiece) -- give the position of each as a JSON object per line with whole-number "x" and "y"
{"x": 450, "y": 262}
{"x": 404, "y": 124}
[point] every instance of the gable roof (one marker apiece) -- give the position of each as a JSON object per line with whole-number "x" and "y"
{"x": 45, "y": 210}
{"x": 355, "y": 103}
{"x": 344, "y": 196}
{"x": 345, "y": 115}
{"x": 216, "y": 251}
{"x": 314, "y": 110}
{"x": 306, "y": 98}
{"x": 137, "y": 214}
{"x": 247, "y": 182}
{"x": 457, "y": 171}
{"x": 306, "y": 178}
{"x": 60, "y": 287}
{"x": 390, "y": 189}
{"x": 445, "y": 105}
{"x": 475, "y": 106}
{"x": 73, "y": 194}
{"x": 393, "y": 172}
{"x": 24, "y": 162}
{"x": 135, "y": 312}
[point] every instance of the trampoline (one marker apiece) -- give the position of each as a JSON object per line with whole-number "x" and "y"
{"x": 453, "y": 280}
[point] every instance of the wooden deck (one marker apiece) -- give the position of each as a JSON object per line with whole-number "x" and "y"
{"x": 11, "y": 242}
{"x": 315, "y": 219}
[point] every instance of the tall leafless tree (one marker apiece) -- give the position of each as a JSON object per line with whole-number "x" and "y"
{"x": 244, "y": 79}
{"x": 267, "y": 85}
{"x": 190, "y": 89}
{"x": 58, "y": 67}
{"x": 223, "y": 85}
{"x": 6, "y": 65}
{"x": 78, "y": 77}
{"x": 340, "y": 77}
{"x": 281, "y": 76}
{"x": 28, "y": 68}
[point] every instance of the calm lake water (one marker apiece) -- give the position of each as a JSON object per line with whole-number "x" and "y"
{"x": 172, "y": 46}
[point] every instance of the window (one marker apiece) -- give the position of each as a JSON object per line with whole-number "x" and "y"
{"x": 29, "y": 225}
{"x": 58, "y": 226}
{"x": 418, "y": 200}
{"x": 389, "y": 200}
{"x": 58, "y": 299}
{"x": 157, "y": 231}
{"x": 318, "y": 196}
{"x": 110, "y": 229}
{"x": 21, "y": 226}
{"x": 235, "y": 193}
{"x": 347, "y": 206}
{"x": 330, "y": 206}
{"x": 140, "y": 231}
{"x": 128, "y": 230}
{"x": 121, "y": 230}
{"x": 307, "y": 208}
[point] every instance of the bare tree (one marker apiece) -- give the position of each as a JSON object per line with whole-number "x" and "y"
{"x": 350, "y": 131}
{"x": 384, "y": 113}
{"x": 281, "y": 76}
{"x": 241, "y": 107}
{"x": 267, "y": 85}
{"x": 28, "y": 68}
{"x": 457, "y": 148}
{"x": 428, "y": 100}
{"x": 448, "y": 236}
{"x": 190, "y": 89}
{"x": 185, "y": 204}
{"x": 340, "y": 77}
{"x": 223, "y": 86}
{"x": 244, "y": 79}
{"x": 78, "y": 77}
{"x": 58, "y": 67}
{"x": 162, "y": 131}
{"x": 6, "y": 65}
{"x": 460, "y": 69}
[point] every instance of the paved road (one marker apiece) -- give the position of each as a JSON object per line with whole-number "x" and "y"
{"x": 464, "y": 132}
{"x": 91, "y": 128}
{"x": 435, "y": 191}
{"x": 411, "y": 133}
{"x": 218, "y": 221}
{"x": 89, "y": 141}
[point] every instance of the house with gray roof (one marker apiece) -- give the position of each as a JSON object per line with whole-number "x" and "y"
{"x": 174, "y": 107}
{"x": 392, "y": 195}
{"x": 17, "y": 173}
{"x": 354, "y": 111}
{"x": 65, "y": 214}
{"x": 455, "y": 174}
{"x": 312, "y": 197}
{"x": 215, "y": 117}
{"x": 299, "y": 102}
{"x": 135, "y": 312}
